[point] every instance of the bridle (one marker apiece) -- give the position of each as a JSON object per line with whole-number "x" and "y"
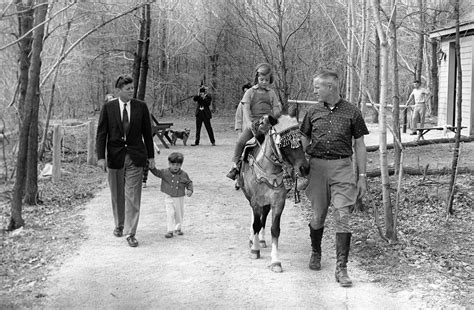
{"x": 290, "y": 136}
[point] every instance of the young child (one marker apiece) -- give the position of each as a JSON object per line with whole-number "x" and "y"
{"x": 257, "y": 101}
{"x": 174, "y": 183}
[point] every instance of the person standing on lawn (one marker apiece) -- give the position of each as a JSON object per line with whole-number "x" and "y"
{"x": 203, "y": 115}
{"x": 420, "y": 97}
{"x": 124, "y": 134}
{"x": 328, "y": 129}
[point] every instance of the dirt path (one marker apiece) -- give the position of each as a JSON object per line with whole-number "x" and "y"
{"x": 208, "y": 266}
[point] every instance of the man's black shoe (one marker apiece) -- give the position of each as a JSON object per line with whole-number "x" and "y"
{"x": 195, "y": 144}
{"x": 118, "y": 231}
{"x": 132, "y": 241}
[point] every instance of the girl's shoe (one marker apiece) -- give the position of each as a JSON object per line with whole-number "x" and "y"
{"x": 169, "y": 234}
{"x": 233, "y": 173}
{"x": 179, "y": 232}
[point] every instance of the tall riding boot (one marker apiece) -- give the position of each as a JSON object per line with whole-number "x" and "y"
{"x": 316, "y": 236}
{"x": 343, "y": 245}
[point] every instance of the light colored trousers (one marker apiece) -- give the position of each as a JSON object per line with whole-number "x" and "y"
{"x": 126, "y": 192}
{"x": 331, "y": 182}
{"x": 418, "y": 116}
{"x": 174, "y": 212}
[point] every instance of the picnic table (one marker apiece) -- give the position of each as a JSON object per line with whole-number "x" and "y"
{"x": 423, "y": 130}
{"x": 161, "y": 131}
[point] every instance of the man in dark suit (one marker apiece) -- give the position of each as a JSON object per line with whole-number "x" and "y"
{"x": 124, "y": 134}
{"x": 203, "y": 115}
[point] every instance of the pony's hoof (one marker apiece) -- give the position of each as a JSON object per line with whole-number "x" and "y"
{"x": 263, "y": 244}
{"x": 276, "y": 267}
{"x": 254, "y": 254}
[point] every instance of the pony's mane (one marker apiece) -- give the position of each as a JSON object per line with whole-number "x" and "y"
{"x": 286, "y": 122}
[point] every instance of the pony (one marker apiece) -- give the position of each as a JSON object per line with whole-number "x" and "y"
{"x": 261, "y": 177}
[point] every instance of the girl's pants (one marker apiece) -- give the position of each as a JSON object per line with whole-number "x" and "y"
{"x": 239, "y": 147}
{"x": 174, "y": 212}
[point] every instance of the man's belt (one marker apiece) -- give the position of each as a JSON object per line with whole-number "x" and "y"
{"x": 332, "y": 157}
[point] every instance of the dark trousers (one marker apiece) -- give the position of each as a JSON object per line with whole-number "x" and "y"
{"x": 126, "y": 190}
{"x": 207, "y": 124}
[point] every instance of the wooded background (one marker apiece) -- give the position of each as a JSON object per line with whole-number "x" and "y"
{"x": 60, "y": 58}
{"x": 216, "y": 43}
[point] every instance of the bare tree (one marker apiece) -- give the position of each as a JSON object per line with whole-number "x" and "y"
{"x": 457, "y": 49}
{"x": 395, "y": 90}
{"x": 268, "y": 24}
{"x": 27, "y": 151}
{"x": 389, "y": 229}
{"x": 421, "y": 41}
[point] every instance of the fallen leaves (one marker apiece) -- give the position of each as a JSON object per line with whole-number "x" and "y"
{"x": 52, "y": 231}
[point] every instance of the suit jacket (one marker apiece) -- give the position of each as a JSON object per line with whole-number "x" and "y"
{"x": 110, "y": 135}
{"x": 203, "y": 106}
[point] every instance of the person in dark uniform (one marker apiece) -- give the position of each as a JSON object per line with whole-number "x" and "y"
{"x": 203, "y": 115}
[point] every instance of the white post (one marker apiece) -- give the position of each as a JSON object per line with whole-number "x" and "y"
{"x": 91, "y": 159}
{"x": 56, "y": 153}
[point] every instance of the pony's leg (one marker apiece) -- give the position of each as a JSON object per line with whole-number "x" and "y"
{"x": 263, "y": 242}
{"x": 256, "y": 226}
{"x": 275, "y": 265}
{"x": 251, "y": 229}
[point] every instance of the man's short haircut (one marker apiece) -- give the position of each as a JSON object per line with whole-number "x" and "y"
{"x": 417, "y": 81}
{"x": 123, "y": 80}
{"x": 327, "y": 74}
{"x": 202, "y": 89}
{"x": 176, "y": 158}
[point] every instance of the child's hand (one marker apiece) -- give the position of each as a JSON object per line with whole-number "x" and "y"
{"x": 189, "y": 193}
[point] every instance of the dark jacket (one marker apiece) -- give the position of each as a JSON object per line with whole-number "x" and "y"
{"x": 203, "y": 106}
{"x": 110, "y": 135}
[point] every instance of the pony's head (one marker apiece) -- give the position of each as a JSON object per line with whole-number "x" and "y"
{"x": 287, "y": 137}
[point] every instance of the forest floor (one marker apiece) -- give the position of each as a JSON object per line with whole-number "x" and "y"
{"x": 430, "y": 266}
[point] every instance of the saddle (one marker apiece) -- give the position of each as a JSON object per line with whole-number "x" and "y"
{"x": 248, "y": 147}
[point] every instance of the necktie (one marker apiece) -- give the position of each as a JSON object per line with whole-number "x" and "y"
{"x": 125, "y": 118}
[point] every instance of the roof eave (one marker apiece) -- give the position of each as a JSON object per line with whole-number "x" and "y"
{"x": 450, "y": 30}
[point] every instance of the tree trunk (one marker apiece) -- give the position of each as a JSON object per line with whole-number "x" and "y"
{"x": 395, "y": 90}
{"x": 421, "y": 42}
{"x": 423, "y": 142}
{"x": 144, "y": 59}
{"x": 27, "y": 149}
{"x": 137, "y": 59}
{"x": 434, "y": 70}
{"x": 25, "y": 24}
{"x": 458, "y": 114}
{"x": 419, "y": 171}
{"x": 375, "y": 118}
{"x": 389, "y": 227}
{"x": 349, "y": 50}
{"x": 364, "y": 68}
{"x": 163, "y": 60}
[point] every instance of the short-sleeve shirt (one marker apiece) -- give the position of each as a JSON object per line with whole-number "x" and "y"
{"x": 173, "y": 184}
{"x": 261, "y": 100}
{"x": 331, "y": 131}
